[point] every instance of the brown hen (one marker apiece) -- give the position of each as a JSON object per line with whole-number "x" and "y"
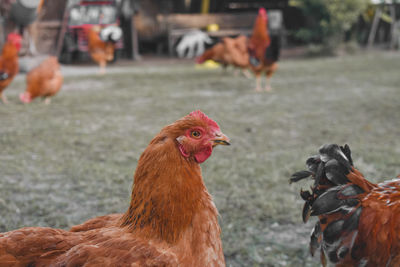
{"x": 231, "y": 51}
{"x": 171, "y": 221}
{"x": 101, "y": 44}
{"x": 43, "y": 81}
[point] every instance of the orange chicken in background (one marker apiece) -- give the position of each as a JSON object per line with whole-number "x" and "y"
{"x": 358, "y": 221}
{"x": 101, "y": 44}
{"x": 9, "y": 66}
{"x": 215, "y": 53}
{"x": 260, "y": 52}
{"x": 264, "y": 50}
{"x": 236, "y": 53}
{"x": 44, "y": 81}
{"x": 230, "y": 51}
{"x": 171, "y": 220}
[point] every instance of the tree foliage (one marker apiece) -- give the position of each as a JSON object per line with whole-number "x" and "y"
{"x": 328, "y": 20}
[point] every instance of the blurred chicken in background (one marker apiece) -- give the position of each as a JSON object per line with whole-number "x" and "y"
{"x": 231, "y": 51}
{"x": 215, "y": 53}
{"x": 236, "y": 53}
{"x": 9, "y": 62}
{"x": 264, "y": 50}
{"x": 43, "y": 81}
{"x": 260, "y": 52}
{"x": 101, "y": 44}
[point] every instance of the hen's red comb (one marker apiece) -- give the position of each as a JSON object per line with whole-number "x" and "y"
{"x": 262, "y": 12}
{"x": 199, "y": 114}
{"x": 14, "y": 37}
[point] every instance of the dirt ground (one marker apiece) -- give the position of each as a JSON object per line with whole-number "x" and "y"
{"x": 74, "y": 159}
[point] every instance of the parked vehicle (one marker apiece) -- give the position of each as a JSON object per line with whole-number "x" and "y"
{"x": 81, "y": 17}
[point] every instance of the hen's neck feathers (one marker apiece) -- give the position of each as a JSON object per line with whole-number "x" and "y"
{"x": 260, "y": 39}
{"x": 168, "y": 191}
{"x": 9, "y": 52}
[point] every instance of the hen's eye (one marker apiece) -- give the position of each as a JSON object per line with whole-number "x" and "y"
{"x": 196, "y": 134}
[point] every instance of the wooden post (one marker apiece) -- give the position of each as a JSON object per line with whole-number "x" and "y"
{"x": 205, "y": 6}
{"x": 393, "y": 37}
{"x": 33, "y": 29}
{"x": 374, "y": 28}
{"x": 135, "y": 42}
{"x": 63, "y": 30}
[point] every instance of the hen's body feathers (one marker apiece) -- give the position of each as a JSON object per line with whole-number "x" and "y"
{"x": 358, "y": 220}
{"x": 112, "y": 246}
{"x": 236, "y": 53}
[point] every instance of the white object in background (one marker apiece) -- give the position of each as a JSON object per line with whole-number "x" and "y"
{"x": 194, "y": 42}
{"x": 30, "y": 3}
{"x": 111, "y": 33}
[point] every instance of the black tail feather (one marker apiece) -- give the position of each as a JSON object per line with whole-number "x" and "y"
{"x": 315, "y": 238}
{"x": 274, "y": 49}
{"x": 346, "y": 150}
{"x": 312, "y": 163}
{"x": 333, "y": 151}
{"x": 299, "y": 176}
{"x": 351, "y": 191}
{"x": 330, "y": 202}
{"x": 333, "y": 198}
{"x": 336, "y": 172}
{"x": 352, "y": 222}
{"x": 306, "y": 211}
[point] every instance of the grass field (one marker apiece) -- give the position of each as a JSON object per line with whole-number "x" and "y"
{"x": 74, "y": 159}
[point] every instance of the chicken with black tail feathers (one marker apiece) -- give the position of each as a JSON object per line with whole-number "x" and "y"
{"x": 358, "y": 221}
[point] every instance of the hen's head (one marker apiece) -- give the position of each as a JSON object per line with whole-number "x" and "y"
{"x": 262, "y": 14}
{"x": 15, "y": 39}
{"x": 196, "y": 135}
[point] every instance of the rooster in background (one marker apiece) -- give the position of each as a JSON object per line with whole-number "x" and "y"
{"x": 43, "y": 81}
{"x": 171, "y": 220}
{"x": 264, "y": 50}
{"x": 359, "y": 221}
{"x": 9, "y": 62}
{"x": 101, "y": 44}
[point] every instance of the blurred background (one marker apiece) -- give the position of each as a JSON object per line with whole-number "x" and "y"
{"x": 338, "y": 81}
{"x": 155, "y": 27}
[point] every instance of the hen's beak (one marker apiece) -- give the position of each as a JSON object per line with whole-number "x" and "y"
{"x": 220, "y": 139}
